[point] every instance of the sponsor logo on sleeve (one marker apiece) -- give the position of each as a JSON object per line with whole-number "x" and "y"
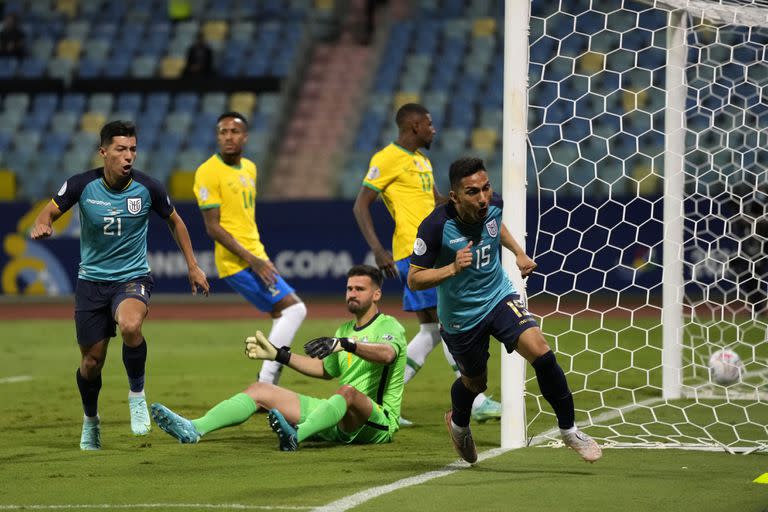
{"x": 62, "y": 190}
{"x": 203, "y": 194}
{"x": 419, "y": 247}
{"x": 373, "y": 173}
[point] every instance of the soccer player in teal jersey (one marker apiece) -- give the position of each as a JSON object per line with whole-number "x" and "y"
{"x": 114, "y": 279}
{"x": 366, "y": 354}
{"x": 458, "y": 249}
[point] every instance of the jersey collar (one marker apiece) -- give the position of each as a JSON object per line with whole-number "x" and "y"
{"x": 237, "y": 167}
{"x": 108, "y": 187}
{"x": 357, "y": 329}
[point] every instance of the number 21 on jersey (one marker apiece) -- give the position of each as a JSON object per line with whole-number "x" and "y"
{"x": 113, "y": 226}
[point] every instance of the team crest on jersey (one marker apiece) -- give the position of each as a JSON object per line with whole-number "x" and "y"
{"x": 492, "y": 227}
{"x": 134, "y": 205}
{"x": 243, "y": 181}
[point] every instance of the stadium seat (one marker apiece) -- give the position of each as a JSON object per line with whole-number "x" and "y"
{"x": 7, "y": 185}
{"x": 401, "y": 98}
{"x": 242, "y": 102}
{"x": 67, "y": 7}
{"x": 69, "y": 49}
{"x": 64, "y": 122}
{"x": 31, "y": 68}
{"x": 60, "y": 68}
{"x": 8, "y": 67}
{"x": 171, "y": 67}
{"x": 41, "y": 48}
{"x": 92, "y": 122}
{"x": 214, "y": 102}
{"x": 144, "y": 66}
{"x": 97, "y": 49}
{"x": 78, "y": 30}
{"x": 484, "y": 139}
{"x": 483, "y": 27}
{"x": 101, "y": 102}
{"x": 73, "y": 102}
{"x": 190, "y": 159}
{"x": 215, "y": 30}
{"x": 186, "y": 102}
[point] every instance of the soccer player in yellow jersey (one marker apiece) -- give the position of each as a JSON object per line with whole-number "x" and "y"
{"x": 225, "y": 187}
{"x": 402, "y": 175}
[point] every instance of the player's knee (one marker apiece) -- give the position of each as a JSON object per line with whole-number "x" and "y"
{"x": 254, "y": 390}
{"x": 475, "y": 384}
{"x": 92, "y": 364}
{"x": 348, "y": 392}
{"x": 130, "y": 328}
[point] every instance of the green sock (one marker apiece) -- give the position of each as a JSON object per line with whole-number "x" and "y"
{"x": 324, "y": 416}
{"x": 232, "y": 411}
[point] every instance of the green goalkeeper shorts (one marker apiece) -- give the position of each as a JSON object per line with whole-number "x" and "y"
{"x": 376, "y": 430}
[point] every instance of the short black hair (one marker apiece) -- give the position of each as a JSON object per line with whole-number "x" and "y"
{"x": 404, "y": 112}
{"x": 116, "y": 129}
{"x": 367, "y": 270}
{"x": 236, "y": 115}
{"x": 463, "y": 167}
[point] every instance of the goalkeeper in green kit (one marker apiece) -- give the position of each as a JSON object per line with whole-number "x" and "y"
{"x": 366, "y": 354}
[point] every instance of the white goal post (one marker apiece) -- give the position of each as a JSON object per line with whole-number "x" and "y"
{"x": 640, "y": 139}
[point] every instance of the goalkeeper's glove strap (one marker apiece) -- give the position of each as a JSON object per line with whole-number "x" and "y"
{"x": 348, "y": 345}
{"x": 283, "y": 355}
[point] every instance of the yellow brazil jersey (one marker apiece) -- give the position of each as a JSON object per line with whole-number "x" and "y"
{"x": 232, "y": 190}
{"x": 404, "y": 180}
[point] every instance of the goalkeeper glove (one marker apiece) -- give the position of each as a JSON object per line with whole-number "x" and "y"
{"x": 259, "y": 347}
{"x": 323, "y": 347}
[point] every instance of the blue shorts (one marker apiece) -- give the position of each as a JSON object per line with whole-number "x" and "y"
{"x": 414, "y": 300}
{"x": 250, "y": 286}
{"x": 506, "y": 322}
{"x": 97, "y": 301}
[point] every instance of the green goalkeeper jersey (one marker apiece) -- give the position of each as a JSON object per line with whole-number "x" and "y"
{"x": 383, "y": 384}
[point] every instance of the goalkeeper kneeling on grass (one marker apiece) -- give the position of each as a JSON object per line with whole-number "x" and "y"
{"x": 366, "y": 354}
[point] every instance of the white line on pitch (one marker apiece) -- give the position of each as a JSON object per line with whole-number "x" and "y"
{"x": 374, "y": 492}
{"x": 361, "y": 497}
{"x": 17, "y": 378}
{"x": 113, "y": 506}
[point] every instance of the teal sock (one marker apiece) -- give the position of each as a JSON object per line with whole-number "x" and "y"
{"x": 326, "y": 415}
{"x": 232, "y": 411}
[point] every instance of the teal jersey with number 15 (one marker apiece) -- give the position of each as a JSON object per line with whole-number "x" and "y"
{"x": 113, "y": 223}
{"x": 464, "y": 299}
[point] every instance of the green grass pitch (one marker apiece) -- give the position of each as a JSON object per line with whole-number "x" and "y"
{"x": 194, "y": 364}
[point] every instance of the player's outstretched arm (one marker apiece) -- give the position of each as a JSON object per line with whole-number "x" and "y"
{"x": 197, "y": 278}
{"x": 322, "y": 347}
{"x": 260, "y": 348}
{"x": 362, "y": 212}
{"x": 523, "y": 261}
{"x": 43, "y": 226}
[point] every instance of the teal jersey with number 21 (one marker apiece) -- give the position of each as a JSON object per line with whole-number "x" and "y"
{"x": 113, "y": 223}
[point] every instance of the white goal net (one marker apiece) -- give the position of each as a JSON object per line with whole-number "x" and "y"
{"x": 648, "y": 167}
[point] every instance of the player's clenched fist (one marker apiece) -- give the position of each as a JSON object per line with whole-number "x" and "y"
{"x": 463, "y": 258}
{"x": 41, "y": 231}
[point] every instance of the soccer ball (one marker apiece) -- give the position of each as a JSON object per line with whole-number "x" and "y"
{"x": 725, "y": 367}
